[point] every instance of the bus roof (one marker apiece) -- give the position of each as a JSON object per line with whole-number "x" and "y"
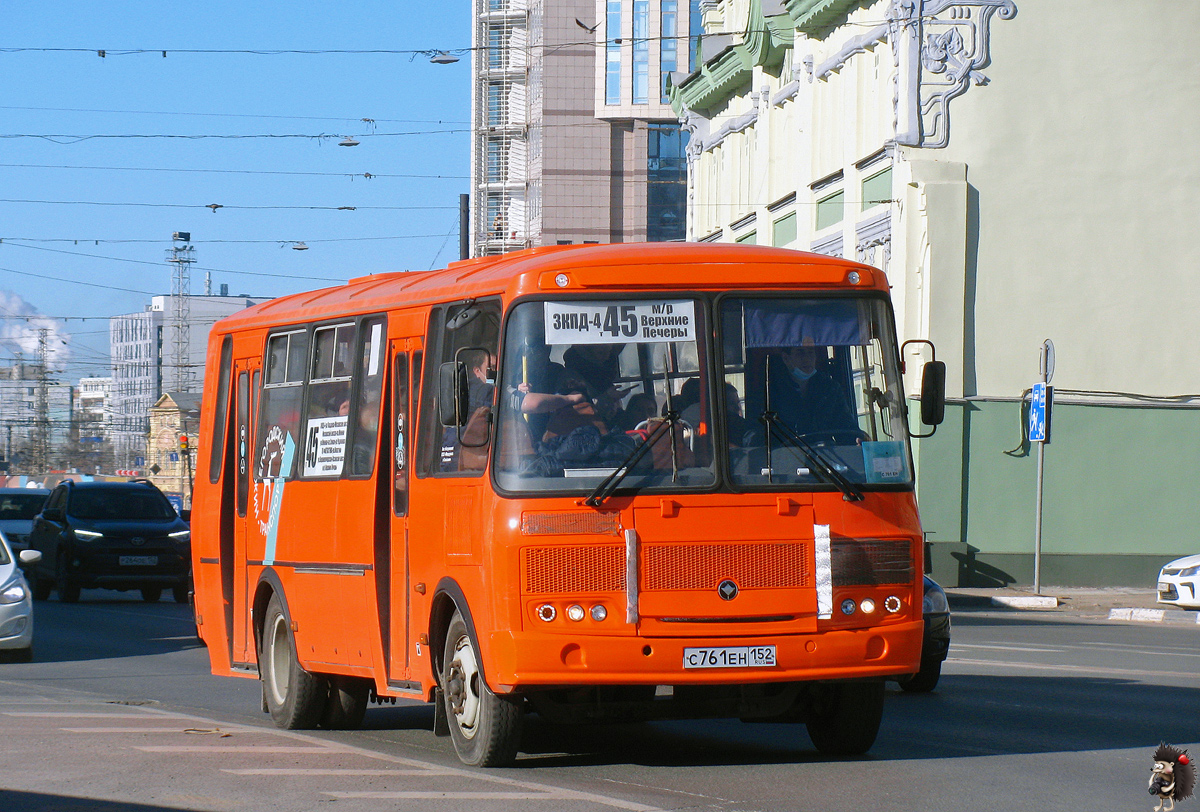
{"x": 587, "y": 268}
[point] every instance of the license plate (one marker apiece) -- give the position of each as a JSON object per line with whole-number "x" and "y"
{"x": 138, "y": 560}
{"x": 729, "y": 657}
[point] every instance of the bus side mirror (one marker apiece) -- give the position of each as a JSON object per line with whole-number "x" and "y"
{"x": 452, "y": 394}
{"x": 933, "y": 393}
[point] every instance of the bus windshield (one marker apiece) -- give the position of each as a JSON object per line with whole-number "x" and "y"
{"x": 586, "y": 384}
{"x": 812, "y": 393}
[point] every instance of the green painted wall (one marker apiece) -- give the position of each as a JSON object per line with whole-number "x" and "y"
{"x": 1120, "y": 494}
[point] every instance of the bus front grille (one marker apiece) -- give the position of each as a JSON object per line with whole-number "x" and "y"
{"x": 751, "y": 565}
{"x": 575, "y": 568}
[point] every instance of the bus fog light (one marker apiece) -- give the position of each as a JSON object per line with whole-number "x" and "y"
{"x": 848, "y": 606}
{"x": 867, "y": 606}
{"x": 892, "y": 604}
{"x": 575, "y": 612}
{"x": 547, "y": 612}
{"x": 599, "y": 613}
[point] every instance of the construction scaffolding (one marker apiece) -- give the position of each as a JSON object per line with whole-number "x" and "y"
{"x": 505, "y": 198}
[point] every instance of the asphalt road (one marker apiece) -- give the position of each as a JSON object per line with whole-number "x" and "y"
{"x": 118, "y": 712}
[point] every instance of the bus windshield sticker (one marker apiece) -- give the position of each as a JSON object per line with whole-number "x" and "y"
{"x": 376, "y": 342}
{"x": 325, "y": 450}
{"x": 884, "y": 461}
{"x": 635, "y": 322}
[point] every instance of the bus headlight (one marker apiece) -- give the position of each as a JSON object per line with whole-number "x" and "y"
{"x": 575, "y": 612}
{"x": 599, "y": 612}
{"x": 547, "y": 612}
{"x": 867, "y": 606}
{"x": 848, "y": 606}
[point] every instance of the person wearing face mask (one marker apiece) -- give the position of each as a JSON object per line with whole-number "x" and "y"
{"x": 805, "y": 395}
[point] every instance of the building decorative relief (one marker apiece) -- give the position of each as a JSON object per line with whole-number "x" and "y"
{"x": 871, "y": 236}
{"x": 939, "y": 47}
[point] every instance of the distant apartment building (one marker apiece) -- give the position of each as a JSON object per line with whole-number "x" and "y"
{"x": 574, "y": 140}
{"x": 93, "y": 422}
{"x": 145, "y": 364}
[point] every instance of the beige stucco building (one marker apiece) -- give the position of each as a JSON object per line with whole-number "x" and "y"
{"x": 1022, "y": 170}
{"x": 173, "y": 416}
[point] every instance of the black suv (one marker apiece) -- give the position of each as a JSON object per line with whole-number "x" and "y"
{"x": 111, "y": 535}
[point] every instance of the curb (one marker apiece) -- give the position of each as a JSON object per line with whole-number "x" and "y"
{"x": 1152, "y": 615}
{"x": 1025, "y": 601}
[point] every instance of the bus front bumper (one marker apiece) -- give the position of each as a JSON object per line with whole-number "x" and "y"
{"x": 521, "y": 659}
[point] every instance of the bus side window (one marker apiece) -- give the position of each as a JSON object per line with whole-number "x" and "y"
{"x": 217, "y": 450}
{"x": 372, "y": 366}
{"x": 466, "y": 333}
{"x": 282, "y": 399}
{"x": 403, "y": 431}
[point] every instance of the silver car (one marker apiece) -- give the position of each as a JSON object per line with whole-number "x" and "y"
{"x": 18, "y": 507}
{"x": 16, "y": 604}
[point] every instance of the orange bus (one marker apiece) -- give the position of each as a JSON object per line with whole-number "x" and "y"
{"x": 615, "y": 482}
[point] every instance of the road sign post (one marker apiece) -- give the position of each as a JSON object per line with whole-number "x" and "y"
{"x": 1040, "y": 403}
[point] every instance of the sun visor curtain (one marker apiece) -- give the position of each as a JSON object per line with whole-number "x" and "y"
{"x": 792, "y": 323}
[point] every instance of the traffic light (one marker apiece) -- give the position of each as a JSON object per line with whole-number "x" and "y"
{"x": 183, "y": 443}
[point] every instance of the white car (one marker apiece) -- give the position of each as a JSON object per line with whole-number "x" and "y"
{"x": 16, "y": 604}
{"x": 1179, "y": 583}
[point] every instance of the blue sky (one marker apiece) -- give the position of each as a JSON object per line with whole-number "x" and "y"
{"x": 290, "y": 187}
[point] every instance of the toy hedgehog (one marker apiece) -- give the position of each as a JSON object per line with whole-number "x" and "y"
{"x": 1172, "y": 778}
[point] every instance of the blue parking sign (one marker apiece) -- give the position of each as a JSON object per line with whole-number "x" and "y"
{"x": 1039, "y": 413}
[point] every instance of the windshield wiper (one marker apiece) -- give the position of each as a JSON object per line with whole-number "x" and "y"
{"x": 849, "y": 490}
{"x": 610, "y": 483}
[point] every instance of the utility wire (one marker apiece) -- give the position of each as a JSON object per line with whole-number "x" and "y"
{"x": 160, "y": 265}
{"x": 350, "y": 175}
{"x": 215, "y": 206}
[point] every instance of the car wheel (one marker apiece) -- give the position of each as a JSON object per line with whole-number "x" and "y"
{"x": 180, "y": 593}
{"x": 924, "y": 680}
{"x": 347, "y": 703}
{"x": 844, "y": 719}
{"x": 151, "y": 594}
{"x": 68, "y": 590}
{"x": 294, "y": 697}
{"x": 485, "y": 728}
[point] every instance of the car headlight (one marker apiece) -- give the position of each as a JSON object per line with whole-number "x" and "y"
{"x": 181, "y": 535}
{"x": 87, "y": 535}
{"x": 1189, "y": 571}
{"x": 935, "y": 601}
{"x": 13, "y": 593}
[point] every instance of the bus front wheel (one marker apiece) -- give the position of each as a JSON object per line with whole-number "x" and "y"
{"x": 295, "y": 698}
{"x": 844, "y": 718}
{"x": 485, "y": 728}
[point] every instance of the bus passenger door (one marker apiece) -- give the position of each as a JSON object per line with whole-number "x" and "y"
{"x": 246, "y": 376}
{"x": 397, "y": 622}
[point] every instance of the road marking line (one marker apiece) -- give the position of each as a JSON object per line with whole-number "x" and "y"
{"x": 559, "y": 793}
{"x": 1074, "y": 669}
{"x": 266, "y": 748}
{"x": 61, "y": 715}
{"x": 562, "y": 795}
{"x": 462, "y": 796}
{"x": 346, "y": 771}
{"x": 123, "y": 730}
{"x": 1010, "y": 648}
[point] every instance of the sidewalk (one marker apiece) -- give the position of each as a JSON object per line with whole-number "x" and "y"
{"x": 1112, "y": 603}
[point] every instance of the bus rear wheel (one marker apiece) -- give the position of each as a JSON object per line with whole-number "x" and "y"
{"x": 844, "y": 718}
{"x": 485, "y": 728}
{"x": 294, "y": 697}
